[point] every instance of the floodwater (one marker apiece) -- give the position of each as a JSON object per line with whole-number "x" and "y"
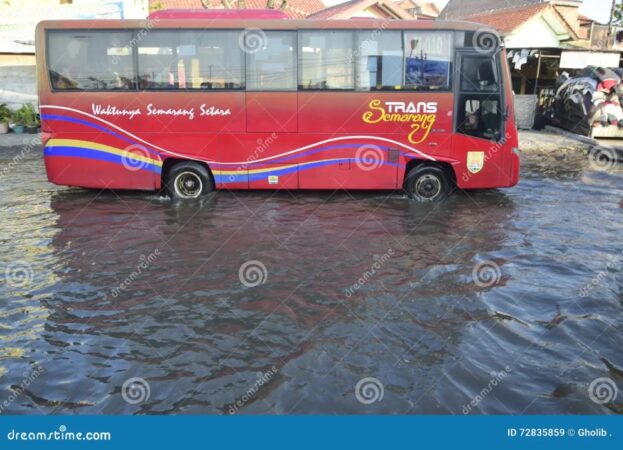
{"x": 506, "y": 301}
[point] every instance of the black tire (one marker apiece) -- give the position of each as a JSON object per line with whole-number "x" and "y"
{"x": 187, "y": 180}
{"x": 428, "y": 184}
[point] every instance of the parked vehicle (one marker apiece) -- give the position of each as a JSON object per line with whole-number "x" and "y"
{"x": 590, "y": 103}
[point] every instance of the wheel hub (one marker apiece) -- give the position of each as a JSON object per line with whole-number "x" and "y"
{"x": 188, "y": 185}
{"x": 428, "y": 187}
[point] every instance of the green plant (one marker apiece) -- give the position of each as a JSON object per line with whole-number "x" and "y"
{"x": 26, "y": 115}
{"x": 5, "y": 113}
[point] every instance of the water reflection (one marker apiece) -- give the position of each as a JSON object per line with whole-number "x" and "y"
{"x": 356, "y": 285}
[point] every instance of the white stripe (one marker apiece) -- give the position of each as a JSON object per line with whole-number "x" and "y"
{"x": 300, "y": 149}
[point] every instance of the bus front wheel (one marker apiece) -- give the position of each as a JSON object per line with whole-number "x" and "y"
{"x": 427, "y": 184}
{"x": 187, "y": 180}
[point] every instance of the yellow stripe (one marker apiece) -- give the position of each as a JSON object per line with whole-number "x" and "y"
{"x": 102, "y": 148}
{"x": 271, "y": 169}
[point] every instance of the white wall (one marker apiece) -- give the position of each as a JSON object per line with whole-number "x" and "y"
{"x": 18, "y": 85}
{"x": 535, "y": 33}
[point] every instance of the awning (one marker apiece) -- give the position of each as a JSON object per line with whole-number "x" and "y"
{"x": 579, "y": 60}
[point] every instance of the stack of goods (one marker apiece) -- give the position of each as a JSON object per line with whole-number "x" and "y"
{"x": 590, "y": 100}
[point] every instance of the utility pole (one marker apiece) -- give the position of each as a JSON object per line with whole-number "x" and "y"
{"x": 611, "y": 26}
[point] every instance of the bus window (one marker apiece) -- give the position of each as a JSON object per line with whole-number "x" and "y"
{"x": 428, "y": 60}
{"x": 190, "y": 60}
{"x": 271, "y": 66}
{"x": 480, "y": 116}
{"x": 90, "y": 60}
{"x": 478, "y": 74}
{"x": 380, "y": 60}
{"x": 324, "y": 58}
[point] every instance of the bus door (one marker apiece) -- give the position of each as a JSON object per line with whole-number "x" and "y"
{"x": 479, "y": 118}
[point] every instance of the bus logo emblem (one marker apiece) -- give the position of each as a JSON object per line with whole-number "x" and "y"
{"x": 475, "y": 161}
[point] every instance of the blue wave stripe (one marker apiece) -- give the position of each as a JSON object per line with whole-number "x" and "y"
{"x": 242, "y": 176}
{"x": 97, "y": 127}
{"x": 322, "y": 149}
{"x": 77, "y": 152}
{"x": 278, "y": 160}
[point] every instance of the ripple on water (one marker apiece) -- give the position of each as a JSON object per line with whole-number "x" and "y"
{"x": 356, "y": 285}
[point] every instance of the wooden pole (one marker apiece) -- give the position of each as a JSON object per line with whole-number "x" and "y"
{"x": 538, "y": 73}
{"x": 610, "y": 26}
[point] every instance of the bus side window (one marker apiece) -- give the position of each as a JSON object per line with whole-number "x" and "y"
{"x": 380, "y": 61}
{"x": 91, "y": 60}
{"x": 324, "y": 60}
{"x": 206, "y": 59}
{"x": 272, "y": 65}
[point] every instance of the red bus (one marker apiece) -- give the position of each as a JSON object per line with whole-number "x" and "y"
{"x": 190, "y": 103}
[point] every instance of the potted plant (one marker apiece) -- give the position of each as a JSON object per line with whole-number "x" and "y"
{"x": 25, "y": 117}
{"x": 5, "y": 116}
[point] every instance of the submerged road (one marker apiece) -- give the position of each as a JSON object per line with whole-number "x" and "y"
{"x": 506, "y": 301}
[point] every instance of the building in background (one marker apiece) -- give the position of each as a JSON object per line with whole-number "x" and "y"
{"x": 18, "y": 19}
{"x": 355, "y": 9}
{"x": 325, "y": 9}
{"x": 419, "y": 9}
{"x": 295, "y": 9}
{"x": 543, "y": 37}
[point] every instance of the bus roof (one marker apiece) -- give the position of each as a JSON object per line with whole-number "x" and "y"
{"x": 218, "y": 14}
{"x": 271, "y": 24}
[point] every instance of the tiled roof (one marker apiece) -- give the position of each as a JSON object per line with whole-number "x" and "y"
{"x": 331, "y": 11}
{"x": 507, "y": 20}
{"x": 347, "y": 9}
{"x": 458, "y": 9}
{"x": 296, "y": 9}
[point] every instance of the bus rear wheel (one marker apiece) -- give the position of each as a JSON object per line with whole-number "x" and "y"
{"x": 427, "y": 184}
{"x": 188, "y": 179}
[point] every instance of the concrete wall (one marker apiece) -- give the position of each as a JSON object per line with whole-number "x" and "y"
{"x": 18, "y": 80}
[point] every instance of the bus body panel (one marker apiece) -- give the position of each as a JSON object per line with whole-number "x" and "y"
{"x": 262, "y": 140}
